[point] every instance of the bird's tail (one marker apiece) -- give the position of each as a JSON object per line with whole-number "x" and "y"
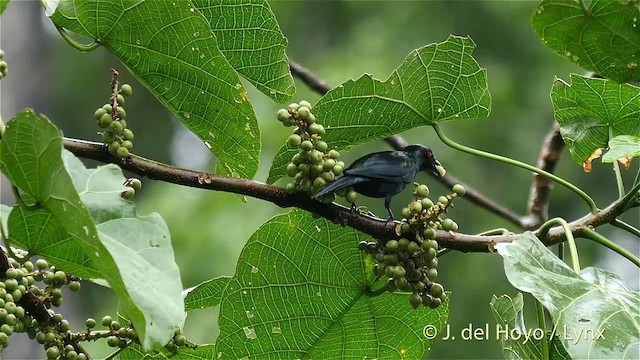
{"x": 341, "y": 183}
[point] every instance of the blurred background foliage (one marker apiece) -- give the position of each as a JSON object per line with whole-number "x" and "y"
{"x": 338, "y": 40}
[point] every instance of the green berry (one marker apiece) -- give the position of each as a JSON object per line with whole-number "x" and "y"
{"x": 455, "y": 227}
{"x": 435, "y": 303}
{"x": 447, "y": 224}
{"x": 316, "y": 156}
{"x": 306, "y": 145}
{"x": 108, "y": 137}
{"x": 60, "y": 276}
{"x": 328, "y": 176}
{"x": 412, "y": 247}
{"x": 108, "y": 108}
{"x": 337, "y": 170}
{"x": 11, "y": 284}
{"x": 106, "y": 321}
{"x": 126, "y": 90}
{"x": 11, "y": 273}
{"x": 416, "y": 207}
{"x": 422, "y": 191}
{"x": 392, "y": 245}
{"x": 127, "y": 134}
{"x": 127, "y": 144}
{"x": 293, "y": 107}
{"x": 99, "y": 113}
{"x": 406, "y": 213}
{"x": 116, "y": 127}
{"x": 399, "y": 271}
{"x": 311, "y": 119}
{"x": 113, "y": 150}
{"x": 329, "y": 164}
{"x": 71, "y": 355}
{"x": 443, "y": 200}
{"x": 319, "y": 182}
{"x": 321, "y": 146}
{"x": 431, "y": 253}
{"x": 113, "y": 341}
{"x": 105, "y": 120}
{"x": 122, "y": 152}
{"x": 459, "y": 189}
{"x": 53, "y": 353}
{"x": 74, "y": 286}
{"x": 433, "y": 263}
{"x": 434, "y": 245}
{"x": 305, "y": 185}
{"x": 42, "y": 264}
{"x": 403, "y": 243}
{"x": 283, "y": 115}
{"x": 90, "y": 323}
{"x": 128, "y": 193}
{"x": 303, "y": 112}
{"x": 429, "y": 233}
{"x": 124, "y": 124}
{"x": 415, "y": 300}
{"x": 432, "y": 274}
{"x": 180, "y": 340}
{"x": 292, "y": 170}
{"x": 316, "y": 129}
{"x": 316, "y": 169}
{"x": 135, "y": 183}
{"x": 426, "y": 203}
{"x": 294, "y": 140}
{"x": 4, "y": 339}
{"x": 120, "y": 99}
{"x": 121, "y": 112}
{"x": 351, "y": 196}
{"x": 305, "y": 103}
{"x": 334, "y": 154}
{"x": 436, "y": 290}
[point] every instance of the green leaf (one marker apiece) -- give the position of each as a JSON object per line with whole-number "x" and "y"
{"x": 202, "y": 352}
{"x": 595, "y": 314}
{"x": 140, "y": 246}
{"x": 249, "y": 37}
{"x": 604, "y": 39}
{"x": 518, "y": 342}
{"x": 622, "y": 146}
{"x": 435, "y": 83}
{"x": 30, "y": 157}
{"x": 299, "y": 292}
{"x": 589, "y": 109}
{"x": 3, "y": 5}
{"x": 207, "y": 294}
{"x": 169, "y": 47}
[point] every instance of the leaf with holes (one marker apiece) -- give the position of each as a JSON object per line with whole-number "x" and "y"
{"x": 249, "y": 37}
{"x": 285, "y": 300}
{"x": 207, "y": 294}
{"x": 590, "y": 110}
{"x": 518, "y": 342}
{"x": 605, "y": 38}
{"x": 623, "y": 146}
{"x": 596, "y": 315}
{"x": 436, "y": 83}
{"x": 169, "y": 47}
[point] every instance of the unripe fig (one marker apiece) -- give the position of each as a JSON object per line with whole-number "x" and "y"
{"x": 294, "y": 140}
{"x": 303, "y": 112}
{"x": 306, "y": 145}
{"x": 459, "y": 189}
{"x": 283, "y": 115}
{"x": 126, "y": 90}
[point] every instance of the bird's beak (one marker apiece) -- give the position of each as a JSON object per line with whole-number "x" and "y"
{"x": 440, "y": 169}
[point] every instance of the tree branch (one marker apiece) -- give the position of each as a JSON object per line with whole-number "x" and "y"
{"x": 540, "y": 195}
{"x": 398, "y": 143}
{"x": 377, "y": 228}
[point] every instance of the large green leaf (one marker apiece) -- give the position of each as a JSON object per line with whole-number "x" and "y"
{"x": 3, "y": 5}
{"x": 519, "y": 342}
{"x": 202, "y": 352}
{"x": 596, "y": 315}
{"x": 249, "y": 37}
{"x": 31, "y": 157}
{"x": 299, "y": 292}
{"x": 605, "y": 38}
{"x": 169, "y": 47}
{"x": 207, "y": 294}
{"x": 621, "y": 147}
{"x": 435, "y": 83}
{"x": 589, "y": 110}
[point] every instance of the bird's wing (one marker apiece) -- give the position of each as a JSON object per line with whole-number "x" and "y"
{"x": 388, "y": 165}
{"x": 341, "y": 183}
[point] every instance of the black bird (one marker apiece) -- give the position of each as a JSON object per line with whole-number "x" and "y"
{"x": 385, "y": 174}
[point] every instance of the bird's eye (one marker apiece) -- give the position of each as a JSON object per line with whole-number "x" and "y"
{"x": 429, "y": 154}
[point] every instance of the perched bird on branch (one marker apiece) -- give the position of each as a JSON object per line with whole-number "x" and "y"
{"x": 385, "y": 174}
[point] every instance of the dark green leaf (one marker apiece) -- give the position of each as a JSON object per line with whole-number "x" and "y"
{"x": 30, "y": 157}
{"x": 621, "y": 147}
{"x": 435, "y": 83}
{"x": 595, "y": 314}
{"x": 605, "y": 38}
{"x": 249, "y": 37}
{"x": 285, "y": 300}
{"x": 169, "y": 47}
{"x": 3, "y": 5}
{"x": 519, "y": 342}
{"x": 588, "y": 110}
{"x": 202, "y": 352}
{"x": 206, "y": 295}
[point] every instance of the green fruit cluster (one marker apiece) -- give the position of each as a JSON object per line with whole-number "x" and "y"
{"x": 410, "y": 263}
{"x": 3, "y": 65}
{"x": 116, "y": 134}
{"x": 133, "y": 185}
{"x": 315, "y": 165}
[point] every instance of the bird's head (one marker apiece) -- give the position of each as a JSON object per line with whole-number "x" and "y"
{"x": 425, "y": 159}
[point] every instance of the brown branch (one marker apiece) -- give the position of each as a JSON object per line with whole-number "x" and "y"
{"x": 377, "y": 228}
{"x": 398, "y": 143}
{"x": 540, "y": 195}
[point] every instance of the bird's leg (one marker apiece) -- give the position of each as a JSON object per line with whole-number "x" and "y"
{"x": 387, "y": 204}
{"x": 353, "y": 208}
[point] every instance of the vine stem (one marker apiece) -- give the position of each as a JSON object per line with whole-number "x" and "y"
{"x": 624, "y": 226}
{"x": 589, "y": 234}
{"x": 616, "y": 171}
{"x": 544, "y": 346}
{"x": 573, "y": 249}
{"x": 472, "y": 151}
{"x": 81, "y": 47}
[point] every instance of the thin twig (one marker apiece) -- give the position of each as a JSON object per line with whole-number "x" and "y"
{"x": 398, "y": 143}
{"x": 540, "y": 195}
{"x": 377, "y": 228}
